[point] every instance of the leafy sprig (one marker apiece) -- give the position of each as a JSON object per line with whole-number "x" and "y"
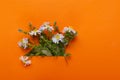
{"x": 52, "y": 42}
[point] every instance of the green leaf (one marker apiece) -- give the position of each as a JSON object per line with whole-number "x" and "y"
{"x": 46, "y": 52}
{"x": 20, "y": 30}
{"x": 56, "y": 29}
{"x": 30, "y": 25}
{"x": 55, "y": 23}
{"x": 67, "y": 54}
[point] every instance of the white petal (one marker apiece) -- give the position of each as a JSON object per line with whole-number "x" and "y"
{"x": 65, "y": 29}
{"x": 24, "y": 58}
{"x": 20, "y": 44}
{"x": 42, "y": 28}
{"x": 31, "y": 33}
{"x": 21, "y": 58}
{"x": 25, "y": 40}
{"x": 27, "y": 63}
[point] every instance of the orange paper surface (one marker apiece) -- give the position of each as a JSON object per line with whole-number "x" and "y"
{"x": 95, "y": 51}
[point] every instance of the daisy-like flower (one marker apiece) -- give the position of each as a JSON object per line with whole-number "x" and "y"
{"x": 57, "y": 37}
{"x": 69, "y": 29}
{"x": 25, "y": 60}
{"x": 24, "y": 43}
{"x": 46, "y": 26}
{"x": 34, "y": 32}
{"x": 27, "y": 63}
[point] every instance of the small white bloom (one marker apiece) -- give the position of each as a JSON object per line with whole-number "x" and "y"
{"x": 68, "y": 29}
{"x": 23, "y": 43}
{"x": 27, "y": 63}
{"x": 50, "y": 28}
{"x": 46, "y": 26}
{"x": 58, "y": 37}
{"x": 25, "y": 40}
{"x": 42, "y": 28}
{"x": 25, "y": 60}
{"x": 34, "y": 32}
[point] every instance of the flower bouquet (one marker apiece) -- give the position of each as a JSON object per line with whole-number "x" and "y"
{"x": 51, "y": 42}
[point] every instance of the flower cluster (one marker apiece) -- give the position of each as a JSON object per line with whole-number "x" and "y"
{"x": 52, "y": 42}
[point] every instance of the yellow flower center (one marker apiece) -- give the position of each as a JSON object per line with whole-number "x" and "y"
{"x": 35, "y": 30}
{"x": 57, "y": 37}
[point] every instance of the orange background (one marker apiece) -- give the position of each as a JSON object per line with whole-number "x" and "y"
{"x": 95, "y": 51}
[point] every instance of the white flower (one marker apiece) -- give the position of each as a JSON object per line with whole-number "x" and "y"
{"x": 58, "y": 37}
{"x": 27, "y": 63}
{"x": 25, "y": 60}
{"x": 42, "y": 28}
{"x": 46, "y": 26}
{"x": 23, "y": 43}
{"x": 35, "y": 32}
{"x": 68, "y": 29}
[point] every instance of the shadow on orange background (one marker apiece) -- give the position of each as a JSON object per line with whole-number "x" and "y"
{"x": 95, "y": 51}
